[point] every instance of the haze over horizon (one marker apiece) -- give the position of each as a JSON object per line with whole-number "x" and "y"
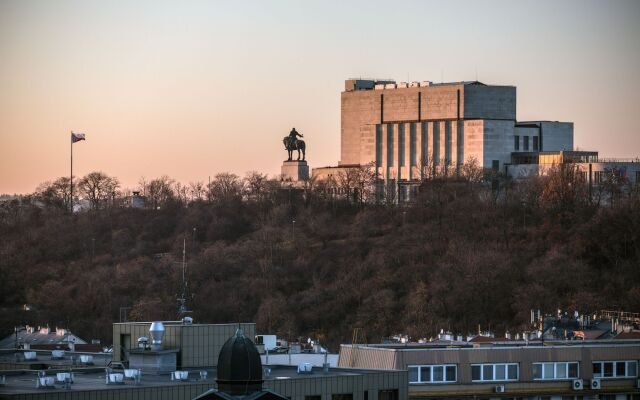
{"x": 193, "y": 89}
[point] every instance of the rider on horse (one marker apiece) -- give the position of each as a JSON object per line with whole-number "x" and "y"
{"x": 292, "y": 137}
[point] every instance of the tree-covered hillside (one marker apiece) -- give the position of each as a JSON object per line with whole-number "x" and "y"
{"x": 465, "y": 253}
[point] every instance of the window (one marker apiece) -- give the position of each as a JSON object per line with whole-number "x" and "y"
{"x": 615, "y": 369}
{"x": 390, "y": 394}
{"x": 401, "y": 141}
{"x": 432, "y": 373}
{"x": 495, "y": 165}
{"x": 378, "y": 145}
{"x": 389, "y": 145}
{"x": 342, "y": 396}
{"x": 525, "y": 144}
{"x": 315, "y": 397}
{"x": 535, "y": 143}
{"x": 516, "y": 142}
{"x": 555, "y": 371}
{"x": 413, "y": 143}
{"x": 494, "y": 372}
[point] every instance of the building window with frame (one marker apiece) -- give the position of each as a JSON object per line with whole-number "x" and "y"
{"x": 535, "y": 143}
{"x": 494, "y": 372}
{"x": 555, "y": 371}
{"x": 342, "y": 396}
{"x": 516, "y": 142}
{"x": 525, "y": 143}
{"x": 615, "y": 369}
{"x": 445, "y": 373}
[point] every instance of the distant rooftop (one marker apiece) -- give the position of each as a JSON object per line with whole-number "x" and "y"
{"x": 24, "y": 382}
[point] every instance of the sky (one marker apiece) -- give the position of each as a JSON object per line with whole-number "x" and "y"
{"x": 190, "y": 89}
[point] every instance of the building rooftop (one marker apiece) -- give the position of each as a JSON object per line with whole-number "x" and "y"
{"x": 86, "y": 379}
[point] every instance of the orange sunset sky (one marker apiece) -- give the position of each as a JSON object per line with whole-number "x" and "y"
{"x": 192, "y": 88}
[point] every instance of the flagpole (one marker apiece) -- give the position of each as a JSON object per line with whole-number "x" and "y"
{"x": 71, "y": 177}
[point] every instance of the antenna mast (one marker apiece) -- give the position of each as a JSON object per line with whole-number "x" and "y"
{"x": 182, "y": 309}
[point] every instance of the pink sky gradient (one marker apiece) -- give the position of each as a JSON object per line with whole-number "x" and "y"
{"x": 190, "y": 89}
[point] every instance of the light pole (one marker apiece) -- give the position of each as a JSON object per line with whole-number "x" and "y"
{"x": 293, "y": 230}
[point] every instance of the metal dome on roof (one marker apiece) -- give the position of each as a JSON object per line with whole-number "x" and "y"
{"x": 239, "y": 366}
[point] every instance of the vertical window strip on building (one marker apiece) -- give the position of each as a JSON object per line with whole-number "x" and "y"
{"x": 555, "y": 371}
{"x": 413, "y": 145}
{"x": 615, "y": 369}
{"x": 445, "y": 373}
{"x": 379, "y": 145}
{"x": 424, "y": 142}
{"x": 460, "y": 142}
{"x": 436, "y": 143}
{"x": 516, "y": 142}
{"x": 401, "y": 142}
{"x": 535, "y": 143}
{"x": 447, "y": 142}
{"x": 494, "y": 372}
{"x": 389, "y": 145}
{"x": 525, "y": 143}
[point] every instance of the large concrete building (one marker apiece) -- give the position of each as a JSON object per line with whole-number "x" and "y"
{"x": 406, "y": 127}
{"x": 411, "y": 130}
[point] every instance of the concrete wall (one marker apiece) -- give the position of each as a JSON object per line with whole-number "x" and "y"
{"x": 498, "y": 142}
{"x": 362, "y": 110}
{"x": 490, "y": 102}
{"x": 556, "y": 135}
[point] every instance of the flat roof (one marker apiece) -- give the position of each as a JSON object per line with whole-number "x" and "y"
{"x": 498, "y": 345}
{"x": 85, "y": 379}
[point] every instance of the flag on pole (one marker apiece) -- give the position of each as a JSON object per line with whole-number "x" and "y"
{"x": 76, "y": 137}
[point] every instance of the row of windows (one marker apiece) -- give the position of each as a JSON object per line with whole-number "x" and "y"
{"x": 447, "y": 373}
{"x": 615, "y": 369}
{"x": 557, "y": 370}
{"x": 525, "y": 143}
{"x": 494, "y": 372}
{"x": 432, "y": 373}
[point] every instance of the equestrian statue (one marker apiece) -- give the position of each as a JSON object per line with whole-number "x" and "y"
{"x": 292, "y": 143}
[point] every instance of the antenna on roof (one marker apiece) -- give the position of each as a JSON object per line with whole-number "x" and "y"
{"x": 182, "y": 301}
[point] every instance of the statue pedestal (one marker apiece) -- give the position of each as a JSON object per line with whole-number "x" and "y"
{"x": 295, "y": 171}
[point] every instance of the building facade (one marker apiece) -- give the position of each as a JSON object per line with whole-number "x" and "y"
{"x": 556, "y": 370}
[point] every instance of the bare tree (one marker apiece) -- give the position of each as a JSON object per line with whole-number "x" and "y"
{"x": 196, "y": 190}
{"x": 160, "y": 191}
{"x": 256, "y": 186}
{"x": 225, "y": 186}
{"x": 98, "y": 187}
{"x": 54, "y": 194}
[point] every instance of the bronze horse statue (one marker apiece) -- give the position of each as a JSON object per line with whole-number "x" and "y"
{"x": 296, "y": 145}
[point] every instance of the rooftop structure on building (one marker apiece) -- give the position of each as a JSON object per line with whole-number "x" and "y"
{"x": 41, "y": 337}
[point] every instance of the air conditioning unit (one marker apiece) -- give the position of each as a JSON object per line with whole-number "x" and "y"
{"x": 595, "y": 384}
{"x": 499, "y": 389}
{"x": 638, "y": 384}
{"x": 578, "y": 384}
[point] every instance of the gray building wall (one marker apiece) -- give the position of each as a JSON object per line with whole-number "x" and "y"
{"x": 489, "y": 102}
{"x": 199, "y": 344}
